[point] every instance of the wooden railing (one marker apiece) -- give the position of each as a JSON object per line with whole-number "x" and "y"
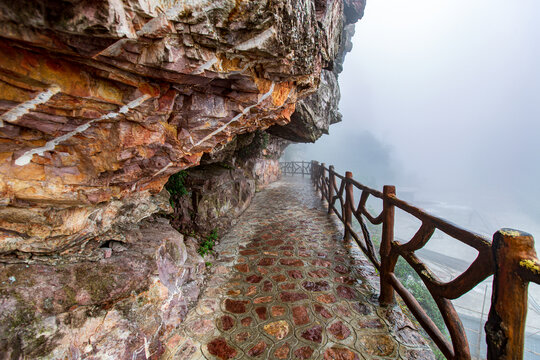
{"x": 296, "y": 167}
{"x": 510, "y": 257}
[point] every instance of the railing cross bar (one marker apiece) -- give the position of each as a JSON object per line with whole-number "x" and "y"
{"x": 511, "y": 257}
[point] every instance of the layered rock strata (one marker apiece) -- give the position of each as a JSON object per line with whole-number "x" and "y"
{"x": 102, "y": 101}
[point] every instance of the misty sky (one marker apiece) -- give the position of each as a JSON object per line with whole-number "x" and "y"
{"x": 448, "y": 95}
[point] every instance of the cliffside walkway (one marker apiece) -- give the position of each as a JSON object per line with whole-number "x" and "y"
{"x": 286, "y": 286}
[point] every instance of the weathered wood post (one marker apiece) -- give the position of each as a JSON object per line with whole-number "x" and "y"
{"x": 323, "y": 179}
{"x": 331, "y": 180}
{"x": 302, "y": 168}
{"x": 513, "y": 251}
{"x": 387, "y": 265}
{"x": 311, "y": 169}
{"x": 349, "y": 203}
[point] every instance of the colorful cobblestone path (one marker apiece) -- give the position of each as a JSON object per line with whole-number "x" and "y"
{"x": 285, "y": 286}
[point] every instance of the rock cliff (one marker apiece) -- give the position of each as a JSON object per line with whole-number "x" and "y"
{"x": 100, "y": 103}
{"x": 103, "y": 100}
{"x": 220, "y": 189}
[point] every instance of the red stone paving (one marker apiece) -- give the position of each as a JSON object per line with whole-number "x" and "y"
{"x": 300, "y": 315}
{"x": 313, "y": 334}
{"x": 304, "y": 352}
{"x": 257, "y": 349}
{"x": 267, "y": 286}
{"x": 221, "y": 349}
{"x": 236, "y": 306}
{"x": 339, "y": 330}
{"x": 261, "y": 312}
{"x": 278, "y": 310}
{"x": 227, "y": 322}
{"x": 336, "y": 353}
{"x": 282, "y": 352}
{"x": 293, "y": 296}
{"x": 321, "y": 310}
{"x": 296, "y": 290}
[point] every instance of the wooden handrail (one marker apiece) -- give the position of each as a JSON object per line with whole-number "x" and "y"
{"x": 510, "y": 257}
{"x": 296, "y": 167}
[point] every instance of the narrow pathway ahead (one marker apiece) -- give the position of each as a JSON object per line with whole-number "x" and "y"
{"x": 287, "y": 287}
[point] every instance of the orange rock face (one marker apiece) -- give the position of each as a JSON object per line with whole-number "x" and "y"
{"x": 101, "y": 101}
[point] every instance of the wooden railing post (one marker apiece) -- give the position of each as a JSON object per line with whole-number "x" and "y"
{"x": 349, "y": 203}
{"x": 323, "y": 179}
{"x": 331, "y": 180}
{"x": 505, "y": 328}
{"x": 387, "y": 265}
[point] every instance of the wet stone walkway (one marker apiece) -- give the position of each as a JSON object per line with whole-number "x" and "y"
{"x": 285, "y": 286}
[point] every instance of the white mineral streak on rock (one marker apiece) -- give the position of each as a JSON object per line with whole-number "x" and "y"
{"x": 257, "y": 41}
{"x": 146, "y": 348}
{"x": 50, "y": 145}
{"x": 162, "y": 170}
{"x": 205, "y": 66}
{"x": 13, "y": 115}
{"x": 244, "y": 112}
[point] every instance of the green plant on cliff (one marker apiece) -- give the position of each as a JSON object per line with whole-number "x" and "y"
{"x": 226, "y": 166}
{"x": 207, "y": 244}
{"x": 412, "y": 281}
{"x": 176, "y": 186}
{"x": 265, "y": 140}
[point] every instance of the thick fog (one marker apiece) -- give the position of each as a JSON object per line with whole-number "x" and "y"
{"x": 443, "y": 97}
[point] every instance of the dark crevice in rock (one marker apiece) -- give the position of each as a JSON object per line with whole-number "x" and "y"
{"x": 221, "y": 189}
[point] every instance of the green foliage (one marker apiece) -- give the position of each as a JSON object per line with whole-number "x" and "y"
{"x": 213, "y": 235}
{"x": 208, "y": 264}
{"x": 410, "y": 279}
{"x": 265, "y": 140}
{"x": 207, "y": 245}
{"x": 226, "y": 166}
{"x": 176, "y": 186}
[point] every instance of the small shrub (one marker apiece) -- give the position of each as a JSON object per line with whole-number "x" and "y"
{"x": 226, "y": 166}
{"x": 207, "y": 245}
{"x": 265, "y": 140}
{"x": 176, "y": 186}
